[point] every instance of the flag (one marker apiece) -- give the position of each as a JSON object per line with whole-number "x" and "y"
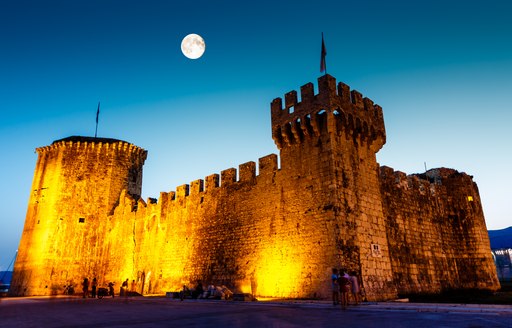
{"x": 323, "y": 66}
{"x": 98, "y": 113}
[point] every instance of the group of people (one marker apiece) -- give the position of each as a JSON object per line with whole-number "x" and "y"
{"x": 343, "y": 285}
{"x": 85, "y": 287}
{"x": 94, "y": 288}
{"x": 212, "y": 292}
{"x": 124, "y": 288}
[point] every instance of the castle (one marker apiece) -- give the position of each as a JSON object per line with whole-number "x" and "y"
{"x": 267, "y": 229}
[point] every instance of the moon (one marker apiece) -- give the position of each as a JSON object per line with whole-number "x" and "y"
{"x": 193, "y": 46}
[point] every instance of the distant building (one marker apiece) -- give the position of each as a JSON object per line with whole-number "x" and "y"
{"x": 503, "y": 260}
{"x": 5, "y": 277}
{"x": 276, "y": 228}
{"x": 501, "y": 246}
{"x": 5, "y": 281}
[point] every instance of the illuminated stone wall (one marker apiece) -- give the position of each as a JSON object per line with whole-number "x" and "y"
{"x": 333, "y": 136}
{"x": 436, "y": 232}
{"x": 77, "y": 183}
{"x": 273, "y": 228}
{"x": 246, "y": 234}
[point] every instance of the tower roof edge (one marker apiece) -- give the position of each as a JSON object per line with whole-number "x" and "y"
{"x": 89, "y": 139}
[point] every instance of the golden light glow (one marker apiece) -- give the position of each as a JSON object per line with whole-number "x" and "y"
{"x": 245, "y": 287}
{"x": 279, "y": 270}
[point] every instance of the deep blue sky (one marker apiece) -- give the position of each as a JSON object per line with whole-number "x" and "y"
{"x": 441, "y": 70}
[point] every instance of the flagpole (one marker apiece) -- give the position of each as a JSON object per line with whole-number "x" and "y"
{"x": 323, "y": 63}
{"x": 97, "y": 116}
{"x": 325, "y": 53}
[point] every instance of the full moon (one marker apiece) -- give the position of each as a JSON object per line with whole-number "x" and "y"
{"x": 193, "y": 46}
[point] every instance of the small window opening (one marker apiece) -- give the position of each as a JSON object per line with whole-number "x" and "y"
{"x": 81, "y": 220}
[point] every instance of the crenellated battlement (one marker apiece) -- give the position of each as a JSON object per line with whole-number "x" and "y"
{"x": 246, "y": 174}
{"x": 335, "y": 109}
{"x": 106, "y": 145}
{"x": 429, "y": 182}
{"x": 412, "y": 182}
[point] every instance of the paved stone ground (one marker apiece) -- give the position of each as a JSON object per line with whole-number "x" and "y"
{"x": 162, "y": 312}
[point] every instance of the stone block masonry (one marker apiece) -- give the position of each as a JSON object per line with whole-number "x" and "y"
{"x": 76, "y": 186}
{"x": 273, "y": 228}
{"x": 436, "y": 232}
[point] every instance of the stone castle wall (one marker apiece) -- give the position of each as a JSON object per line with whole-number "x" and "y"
{"x": 343, "y": 131}
{"x": 243, "y": 233}
{"x": 436, "y": 232}
{"x": 275, "y": 228}
{"x": 77, "y": 183}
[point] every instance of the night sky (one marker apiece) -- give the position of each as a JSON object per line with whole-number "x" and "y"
{"x": 441, "y": 70}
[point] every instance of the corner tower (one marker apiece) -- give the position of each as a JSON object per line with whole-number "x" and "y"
{"x": 332, "y": 138}
{"x": 77, "y": 184}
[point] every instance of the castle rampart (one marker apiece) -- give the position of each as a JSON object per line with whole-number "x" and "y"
{"x": 275, "y": 231}
{"x": 77, "y": 183}
{"x": 348, "y": 111}
{"x": 436, "y": 232}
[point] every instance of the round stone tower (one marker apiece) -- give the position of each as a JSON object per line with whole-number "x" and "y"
{"x": 77, "y": 184}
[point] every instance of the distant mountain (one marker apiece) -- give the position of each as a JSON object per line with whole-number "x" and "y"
{"x": 5, "y": 277}
{"x": 501, "y": 238}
